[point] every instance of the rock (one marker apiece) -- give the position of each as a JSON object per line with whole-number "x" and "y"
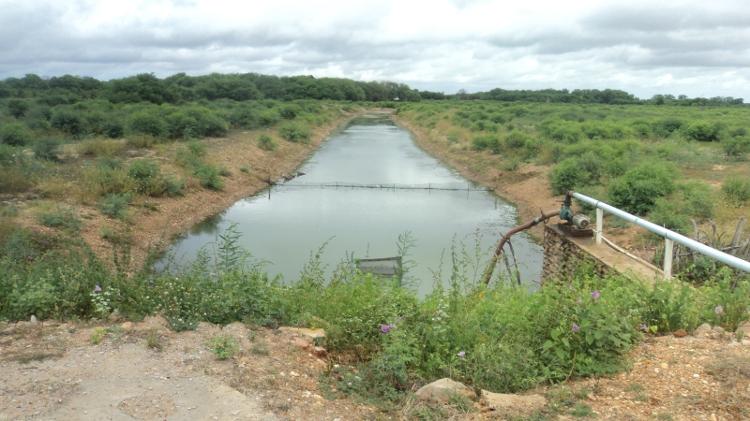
{"x": 205, "y": 328}
{"x": 319, "y": 351}
{"x": 702, "y": 331}
{"x": 33, "y": 320}
{"x": 154, "y": 322}
{"x": 443, "y": 390}
{"x": 115, "y": 316}
{"x": 236, "y": 329}
{"x": 313, "y": 336}
{"x": 301, "y": 343}
{"x": 513, "y": 405}
{"x": 679, "y": 333}
{"x": 743, "y": 330}
{"x": 718, "y": 332}
{"x": 127, "y": 326}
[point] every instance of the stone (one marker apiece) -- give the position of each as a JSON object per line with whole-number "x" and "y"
{"x": 718, "y": 332}
{"x": 513, "y": 405}
{"x": 443, "y": 390}
{"x": 205, "y": 328}
{"x": 115, "y": 316}
{"x": 702, "y": 331}
{"x": 319, "y": 351}
{"x": 127, "y": 326}
{"x": 743, "y": 330}
{"x": 679, "y": 333}
{"x": 33, "y": 320}
{"x": 312, "y": 334}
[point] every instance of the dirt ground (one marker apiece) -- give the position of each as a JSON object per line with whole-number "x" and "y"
{"x": 53, "y": 371}
{"x": 144, "y": 371}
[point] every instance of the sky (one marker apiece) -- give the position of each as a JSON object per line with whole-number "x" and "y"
{"x": 696, "y": 48}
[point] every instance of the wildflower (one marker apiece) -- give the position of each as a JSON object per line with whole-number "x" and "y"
{"x": 575, "y": 328}
{"x": 719, "y": 310}
{"x": 97, "y": 289}
{"x": 385, "y": 328}
{"x": 595, "y": 294}
{"x": 461, "y": 354}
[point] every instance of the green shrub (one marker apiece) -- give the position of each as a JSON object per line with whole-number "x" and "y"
{"x": 670, "y": 215}
{"x": 60, "y": 218}
{"x": 68, "y": 121}
{"x": 736, "y": 190}
{"x": 14, "y": 134}
{"x": 113, "y": 129}
{"x": 147, "y": 176}
{"x": 115, "y": 205}
{"x": 17, "y": 107}
{"x": 517, "y": 140}
{"x": 294, "y": 132}
{"x": 696, "y": 199}
{"x": 174, "y": 186}
{"x": 46, "y": 149}
{"x": 147, "y": 122}
{"x": 223, "y": 346}
{"x": 667, "y": 126}
{"x": 703, "y": 131}
{"x": 736, "y": 147}
{"x": 637, "y": 190}
{"x": 266, "y": 143}
{"x": 486, "y": 142}
{"x": 209, "y": 176}
{"x": 575, "y": 172}
{"x": 268, "y": 117}
{"x": 107, "y": 176}
{"x": 100, "y": 147}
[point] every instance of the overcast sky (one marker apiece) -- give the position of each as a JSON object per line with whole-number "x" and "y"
{"x": 697, "y": 48}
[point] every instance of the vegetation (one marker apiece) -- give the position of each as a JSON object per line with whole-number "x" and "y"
{"x": 497, "y": 337}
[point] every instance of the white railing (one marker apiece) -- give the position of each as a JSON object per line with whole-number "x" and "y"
{"x": 670, "y": 237}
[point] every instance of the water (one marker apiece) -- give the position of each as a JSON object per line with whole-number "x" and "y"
{"x": 286, "y": 227}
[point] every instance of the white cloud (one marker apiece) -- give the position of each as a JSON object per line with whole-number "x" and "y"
{"x": 691, "y": 47}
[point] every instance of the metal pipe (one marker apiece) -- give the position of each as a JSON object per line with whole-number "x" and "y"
{"x": 727, "y": 259}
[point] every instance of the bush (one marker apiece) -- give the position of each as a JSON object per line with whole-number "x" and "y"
{"x": 696, "y": 199}
{"x": 46, "y": 149}
{"x": 100, "y": 147}
{"x": 575, "y": 172}
{"x": 736, "y": 190}
{"x": 667, "y": 126}
{"x": 223, "y": 346}
{"x": 68, "y": 121}
{"x": 637, "y": 190}
{"x": 670, "y": 215}
{"x": 115, "y": 205}
{"x": 266, "y": 143}
{"x": 14, "y": 134}
{"x": 517, "y": 140}
{"x": 703, "y": 131}
{"x": 736, "y": 147}
{"x": 486, "y": 142}
{"x": 147, "y": 122}
{"x": 294, "y": 132}
{"x": 60, "y": 218}
{"x": 147, "y": 176}
{"x": 209, "y": 176}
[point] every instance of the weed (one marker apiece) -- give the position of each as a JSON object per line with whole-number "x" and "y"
{"x": 266, "y": 143}
{"x": 154, "y": 340}
{"x": 60, "y": 218}
{"x": 223, "y": 346}
{"x": 736, "y": 190}
{"x": 98, "y": 335}
{"x": 581, "y": 410}
{"x": 115, "y": 205}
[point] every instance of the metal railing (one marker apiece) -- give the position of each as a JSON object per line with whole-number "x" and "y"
{"x": 670, "y": 237}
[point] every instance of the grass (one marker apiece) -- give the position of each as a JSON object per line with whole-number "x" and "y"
{"x": 98, "y": 335}
{"x": 154, "y": 340}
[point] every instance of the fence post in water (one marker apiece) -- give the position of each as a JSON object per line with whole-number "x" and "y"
{"x": 599, "y": 225}
{"x": 668, "y": 247}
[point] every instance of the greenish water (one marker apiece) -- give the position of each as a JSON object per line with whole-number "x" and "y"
{"x": 287, "y": 224}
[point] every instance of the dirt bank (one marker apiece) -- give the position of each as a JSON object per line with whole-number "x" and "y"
{"x": 527, "y": 187}
{"x": 155, "y": 222}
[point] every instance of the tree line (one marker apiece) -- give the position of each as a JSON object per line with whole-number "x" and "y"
{"x": 180, "y": 88}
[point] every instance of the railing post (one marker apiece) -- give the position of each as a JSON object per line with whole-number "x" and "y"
{"x": 599, "y": 225}
{"x": 668, "y": 246}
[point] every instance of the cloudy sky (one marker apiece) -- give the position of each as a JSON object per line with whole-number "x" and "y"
{"x": 697, "y": 48}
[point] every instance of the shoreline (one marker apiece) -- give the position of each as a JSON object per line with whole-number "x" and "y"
{"x": 527, "y": 188}
{"x": 152, "y": 232}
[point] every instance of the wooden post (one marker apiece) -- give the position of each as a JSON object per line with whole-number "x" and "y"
{"x": 599, "y": 225}
{"x": 668, "y": 246}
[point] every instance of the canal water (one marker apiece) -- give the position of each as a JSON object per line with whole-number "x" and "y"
{"x": 287, "y": 224}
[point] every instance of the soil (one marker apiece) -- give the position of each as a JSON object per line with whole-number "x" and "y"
{"x": 144, "y": 371}
{"x": 53, "y": 370}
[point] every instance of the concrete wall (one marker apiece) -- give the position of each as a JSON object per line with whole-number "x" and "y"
{"x": 562, "y": 256}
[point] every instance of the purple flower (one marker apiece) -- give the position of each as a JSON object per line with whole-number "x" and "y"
{"x": 595, "y": 294}
{"x": 719, "y": 310}
{"x": 97, "y": 289}
{"x": 461, "y": 354}
{"x": 575, "y": 328}
{"x": 385, "y": 328}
